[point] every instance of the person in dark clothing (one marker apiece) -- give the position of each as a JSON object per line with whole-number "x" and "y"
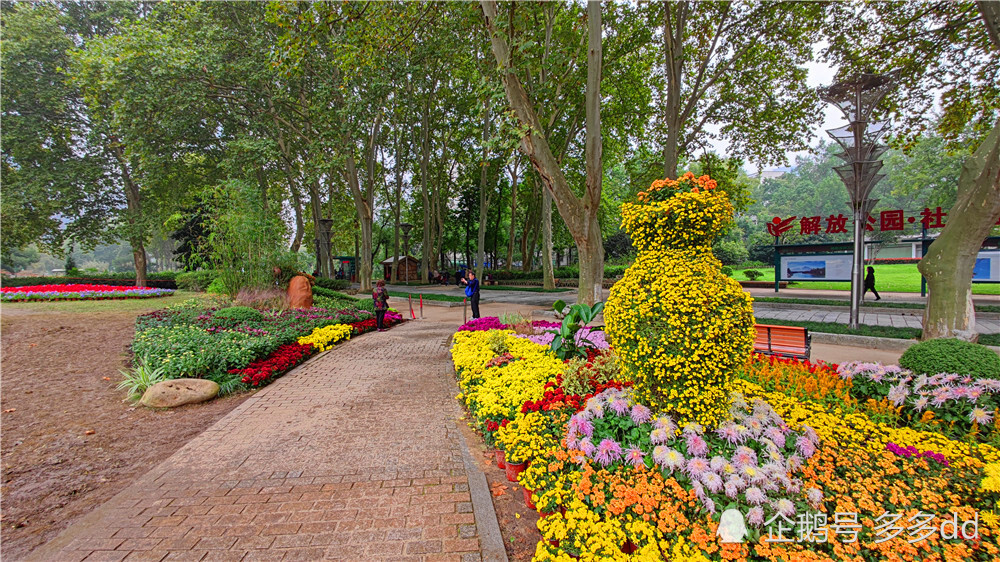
{"x": 472, "y": 291}
{"x": 381, "y": 297}
{"x": 870, "y": 284}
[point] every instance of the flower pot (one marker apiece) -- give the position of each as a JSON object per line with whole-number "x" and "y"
{"x": 527, "y": 498}
{"x": 500, "y": 456}
{"x": 513, "y": 469}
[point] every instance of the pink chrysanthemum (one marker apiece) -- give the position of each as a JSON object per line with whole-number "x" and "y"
{"x": 712, "y": 481}
{"x": 634, "y": 456}
{"x": 696, "y": 445}
{"x": 775, "y": 434}
{"x": 805, "y": 446}
{"x": 619, "y": 406}
{"x": 608, "y": 451}
{"x": 668, "y": 458}
{"x": 717, "y": 463}
{"x": 659, "y": 436}
{"x": 666, "y": 424}
{"x": 814, "y": 496}
{"x": 784, "y": 507}
{"x": 694, "y": 427}
{"x": 587, "y": 446}
{"x": 709, "y": 505}
{"x": 744, "y": 456}
{"x": 729, "y": 433}
{"x": 640, "y": 414}
{"x": 696, "y": 467}
{"x": 755, "y": 517}
{"x": 755, "y": 496}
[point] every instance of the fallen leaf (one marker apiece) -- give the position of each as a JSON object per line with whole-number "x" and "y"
{"x": 498, "y": 490}
{"x": 89, "y": 432}
{"x": 10, "y": 410}
{"x": 517, "y": 515}
{"x": 106, "y": 378}
{"x": 32, "y": 344}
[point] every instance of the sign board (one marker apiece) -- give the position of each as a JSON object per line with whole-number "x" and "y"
{"x": 816, "y": 267}
{"x": 987, "y": 268}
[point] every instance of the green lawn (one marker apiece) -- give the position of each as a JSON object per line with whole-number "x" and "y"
{"x": 868, "y": 303}
{"x": 513, "y": 288}
{"x": 427, "y": 296}
{"x": 896, "y": 278}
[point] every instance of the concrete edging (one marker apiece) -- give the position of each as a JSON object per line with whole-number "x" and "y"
{"x": 870, "y": 342}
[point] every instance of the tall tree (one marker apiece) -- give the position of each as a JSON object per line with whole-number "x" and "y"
{"x": 947, "y": 53}
{"x": 739, "y": 66}
{"x": 579, "y": 213}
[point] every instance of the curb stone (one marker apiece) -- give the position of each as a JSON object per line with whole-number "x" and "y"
{"x": 490, "y": 540}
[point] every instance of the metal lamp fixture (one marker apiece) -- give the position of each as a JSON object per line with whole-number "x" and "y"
{"x": 857, "y": 98}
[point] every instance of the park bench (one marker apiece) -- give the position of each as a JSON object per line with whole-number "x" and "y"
{"x": 783, "y": 341}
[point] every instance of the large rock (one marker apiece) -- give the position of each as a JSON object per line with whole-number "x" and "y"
{"x": 300, "y": 293}
{"x": 177, "y": 392}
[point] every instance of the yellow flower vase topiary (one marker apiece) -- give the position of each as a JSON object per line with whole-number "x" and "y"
{"x": 680, "y": 327}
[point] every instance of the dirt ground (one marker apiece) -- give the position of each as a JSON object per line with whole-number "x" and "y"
{"x": 69, "y": 442}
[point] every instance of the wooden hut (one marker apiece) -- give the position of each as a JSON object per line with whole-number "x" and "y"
{"x": 408, "y": 269}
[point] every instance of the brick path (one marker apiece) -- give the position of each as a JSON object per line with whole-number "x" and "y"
{"x": 354, "y": 455}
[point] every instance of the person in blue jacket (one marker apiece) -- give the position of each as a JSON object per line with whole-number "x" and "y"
{"x": 472, "y": 291}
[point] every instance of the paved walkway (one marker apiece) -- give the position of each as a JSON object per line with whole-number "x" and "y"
{"x": 355, "y": 455}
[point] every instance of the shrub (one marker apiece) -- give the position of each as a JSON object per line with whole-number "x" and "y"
{"x": 269, "y": 298}
{"x": 951, "y": 356}
{"x": 216, "y": 287}
{"x": 730, "y": 252}
{"x": 196, "y": 280}
{"x": 753, "y": 274}
{"x": 163, "y": 280}
{"x": 727, "y": 271}
{"x": 332, "y": 284}
{"x": 236, "y": 315}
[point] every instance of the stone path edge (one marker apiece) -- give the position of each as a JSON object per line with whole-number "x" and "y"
{"x": 491, "y": 546}
{"x": 870, "y": 342}
{"x": 48, "y": 551}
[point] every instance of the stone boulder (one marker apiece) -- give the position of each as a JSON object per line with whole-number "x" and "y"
{"x": 300, "y": 293}
{"x": 177, "y": 392}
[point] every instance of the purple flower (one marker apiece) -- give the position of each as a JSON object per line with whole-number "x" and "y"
{"x": 744, "y": 455}
{"x": 731, "y": 490}
{"x": 694, "y": 428}
{"x": 729, "y": 433}
{"x": 755, "y": 516}
{"x": 709, "y": 505}
{"x": 586, "y": 446}
{"x": 980, "y": 416}
{"x": 666, "y": 424}
{"x": 755, "y": 496}
{"x": 814, "y": 496}
{"x": 659, "y": 437}
{"x": 699, "y": 491}
{"x": 712, "y": 481}
{"x": 608, "y": 452}
{"x": 619, "y": 405}
{"x": 696, "y": 467}
{"x": 775, "y": 435}
{"x": 811, "y": 434}
{"x": 717, "y": 463}
{"x": 784, "y": 507}
{"x": 920, "y": 403}
{"x": 634, "y": 456}
{"x": 668, "y": 458}
{"x": 897, "y": 394}
{"x": 794, "y": 463}
{"x": 640, "y": 414}
{"x": 696, "y": 445}
{"x": 805, "y": 446}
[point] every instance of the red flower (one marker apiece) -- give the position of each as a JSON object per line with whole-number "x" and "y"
{"x": 278, "y": 362}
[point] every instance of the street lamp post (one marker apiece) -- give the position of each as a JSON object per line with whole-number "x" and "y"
{"x": 857, "y": 97}
{"x": 406, "y": 250}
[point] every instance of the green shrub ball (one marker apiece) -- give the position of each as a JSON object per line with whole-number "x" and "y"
{"x": 951, "y": 356}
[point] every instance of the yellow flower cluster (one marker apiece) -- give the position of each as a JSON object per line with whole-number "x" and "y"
{"x": 324, "y": 338}
{"x": 525, "y": 437}
{"x": 498, "y": 392}
{"x": 842, "y": 429}
{"x": 991, "y": 484}
{"x": 680, "y": 327}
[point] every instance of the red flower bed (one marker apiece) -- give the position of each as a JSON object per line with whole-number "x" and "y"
{"x": 283, "y": 359}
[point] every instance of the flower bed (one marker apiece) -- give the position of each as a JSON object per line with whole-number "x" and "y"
{"x": 677, "y": 444}
{"x": 79, "y": 292}
{"x": 240, "y": 347}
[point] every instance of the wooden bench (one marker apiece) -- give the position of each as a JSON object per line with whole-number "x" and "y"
{"x": 783, "y": 341}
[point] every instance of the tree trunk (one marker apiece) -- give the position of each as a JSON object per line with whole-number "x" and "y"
{"x": 513, "y": 213}
{"x": 425, "y": 156}
{"x": 580, "y": 215}
{"x": 484, "y": 198}
{"x": 673, "y": 66}
{"x": 300, "y": 226}
{"x": 548, "y": 279}
{"x": 133, "y": 215}
{"x": 322, "y": 240}
{"x": 950, "y": 259}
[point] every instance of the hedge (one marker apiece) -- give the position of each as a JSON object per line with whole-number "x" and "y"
{"x": 164, "y": 280}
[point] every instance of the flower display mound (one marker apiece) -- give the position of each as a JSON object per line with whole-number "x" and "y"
{"x": 680, "y": 327}
{"x": 615, "y": 480}
{"x": 79, "y": 292}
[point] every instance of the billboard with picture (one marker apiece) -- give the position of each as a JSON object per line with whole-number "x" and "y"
{"x": 816, "y": 267}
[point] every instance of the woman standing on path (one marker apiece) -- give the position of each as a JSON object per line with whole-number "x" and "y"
{"x": 870, "y": 284}
{"x": 381, "y": 297}
{"x": 472, "y": 291}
